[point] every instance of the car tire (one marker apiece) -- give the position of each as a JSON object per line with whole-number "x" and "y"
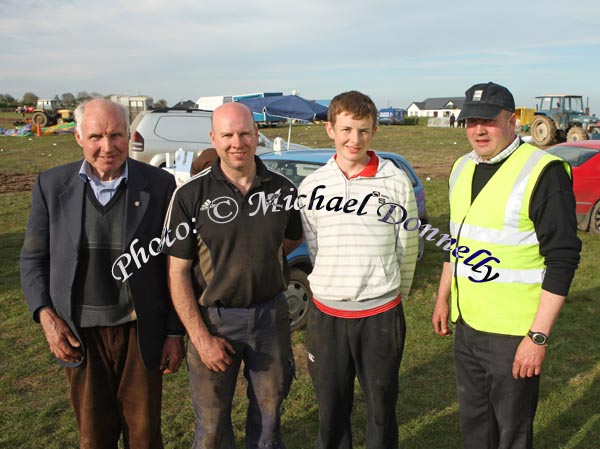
{"x": 595, "y": 219}
{"x": 298, "y": 296}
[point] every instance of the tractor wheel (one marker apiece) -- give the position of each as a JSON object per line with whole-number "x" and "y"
{"x": 576, "y": 133}
{"x": 543, "y": 130}
{"x": 39, "y": 118}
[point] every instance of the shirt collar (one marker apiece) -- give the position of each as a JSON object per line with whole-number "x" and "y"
{"x": 370, "y": 169}
{"x": 86, "y": 174}
{"x": 500, "y": 156}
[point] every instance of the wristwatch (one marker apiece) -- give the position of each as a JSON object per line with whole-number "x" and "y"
{"x": 538, "y": 338}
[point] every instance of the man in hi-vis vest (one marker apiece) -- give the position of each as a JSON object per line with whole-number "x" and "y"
{"x": 512, "y": 214}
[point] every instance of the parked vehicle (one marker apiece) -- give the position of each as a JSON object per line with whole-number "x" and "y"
{"x": 135, "y": 104}
{"x": 562, "y": 117}
{"x": 584, "y": 157}
{"x": 296, "y": 165}
{"x": 390, "y": 116}
{"x": 160, "y": 131}
{"x": 524, "y": 117}
{"x": 50, "y": 112}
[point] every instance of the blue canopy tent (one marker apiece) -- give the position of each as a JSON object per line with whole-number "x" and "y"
{"x": 288, "y": 107}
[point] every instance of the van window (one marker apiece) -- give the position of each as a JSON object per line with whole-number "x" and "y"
{"x": 184, "y": 129}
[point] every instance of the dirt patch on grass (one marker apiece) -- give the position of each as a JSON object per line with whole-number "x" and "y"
{"x": 16, "y": 182}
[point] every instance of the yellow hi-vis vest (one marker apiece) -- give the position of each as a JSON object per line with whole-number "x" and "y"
{"x": 496, "y": 264}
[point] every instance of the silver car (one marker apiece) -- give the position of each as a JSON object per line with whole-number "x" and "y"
{"x": 160, "y": 131}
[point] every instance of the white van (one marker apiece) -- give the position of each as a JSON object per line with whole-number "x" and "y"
{"x": 161, "y": 131}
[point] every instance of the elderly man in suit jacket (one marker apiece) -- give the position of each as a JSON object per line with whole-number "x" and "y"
{"x": 114, "y": 330}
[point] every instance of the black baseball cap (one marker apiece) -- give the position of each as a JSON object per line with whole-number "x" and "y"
{"x": 486, "y": 101}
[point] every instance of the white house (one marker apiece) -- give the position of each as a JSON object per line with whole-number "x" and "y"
{"x": 436, "y": 107}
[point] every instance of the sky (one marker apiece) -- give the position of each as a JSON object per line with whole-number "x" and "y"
{"x": 395, "y": 51}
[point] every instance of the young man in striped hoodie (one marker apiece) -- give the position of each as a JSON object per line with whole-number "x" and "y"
{"x": 363, "y": 269}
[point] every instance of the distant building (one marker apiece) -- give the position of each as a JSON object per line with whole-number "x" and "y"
{"x": 436, "y": 107}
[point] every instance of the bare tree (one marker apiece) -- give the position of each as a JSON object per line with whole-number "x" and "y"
{"x": 83, "y": 96}
{"x": 7, "y": 100}
{"x": 30, "y": 98}
{"x": 68, "y": 99}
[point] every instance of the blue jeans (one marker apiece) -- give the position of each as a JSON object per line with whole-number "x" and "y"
{"x": 260, "y": 336}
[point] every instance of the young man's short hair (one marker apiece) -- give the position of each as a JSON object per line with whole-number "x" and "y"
{"x": 354, "y": 103}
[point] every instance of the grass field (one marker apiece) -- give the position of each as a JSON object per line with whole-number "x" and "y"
{"x": 34, "y": 406}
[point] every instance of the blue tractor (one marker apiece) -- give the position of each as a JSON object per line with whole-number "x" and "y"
{"x": 562, "y": 117}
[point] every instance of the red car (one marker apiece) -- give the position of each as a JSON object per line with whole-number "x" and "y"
{"x": 584, "y": 157}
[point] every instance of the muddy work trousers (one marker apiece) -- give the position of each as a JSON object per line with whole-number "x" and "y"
{"x": 260, "y": 336}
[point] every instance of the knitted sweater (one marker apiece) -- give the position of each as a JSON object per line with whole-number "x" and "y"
{"x": 359, "y": 261}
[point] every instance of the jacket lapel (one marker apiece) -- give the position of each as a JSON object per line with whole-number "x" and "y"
{"x": 137, "y": 200}
{"x": 71, "y": 205}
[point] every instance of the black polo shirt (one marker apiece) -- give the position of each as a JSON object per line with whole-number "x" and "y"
{"x": 236, "y": 242}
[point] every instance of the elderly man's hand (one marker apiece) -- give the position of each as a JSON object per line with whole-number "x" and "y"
{"x": 61, "y": 340}
{"x": 172, "y": 355}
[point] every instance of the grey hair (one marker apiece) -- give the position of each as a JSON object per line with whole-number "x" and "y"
{"x": 78, "y": 113}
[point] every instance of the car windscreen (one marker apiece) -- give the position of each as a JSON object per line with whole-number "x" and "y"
{"x": 575, "y": 156}
{"x": 295, "y": 171}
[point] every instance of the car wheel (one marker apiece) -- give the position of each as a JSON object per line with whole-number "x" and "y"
{"x": 595, "y": 219}
{"x": 298, "y": 296}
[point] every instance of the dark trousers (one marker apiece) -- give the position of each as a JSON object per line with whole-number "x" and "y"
{"x": 112, "y": 392}
{"x": 340, "y": 349}
{"x": 496, "y": 411}
{"x": 261, "y": 338}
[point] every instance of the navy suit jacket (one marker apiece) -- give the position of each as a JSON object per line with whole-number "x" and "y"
{"x": 51, "y": 250}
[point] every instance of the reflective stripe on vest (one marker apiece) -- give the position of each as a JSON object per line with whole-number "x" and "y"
{"x": 497, "y": 226}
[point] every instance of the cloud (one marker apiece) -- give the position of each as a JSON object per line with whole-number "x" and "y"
{"x": 399, "y": 51}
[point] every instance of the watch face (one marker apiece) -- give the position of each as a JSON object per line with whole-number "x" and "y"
{"x": 538, "y": 338}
